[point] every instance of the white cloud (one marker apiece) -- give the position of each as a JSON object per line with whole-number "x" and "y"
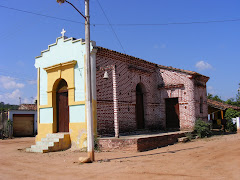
{"x": 202, "y": 65}
{"x": 27, "y": 101}
{"x": 32, "y": 82}
{"x": 162, "y": 46}
{"x": 11, "y": 98}
{"x": 9, "y": 83}
{"x": 210, "y": 90}
{"x": 20, "y": 63}
{"x": 35, "y": 98}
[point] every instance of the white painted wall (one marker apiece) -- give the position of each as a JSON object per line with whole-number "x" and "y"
{"x": 238, "y": 123}
{"x": 77, "y": 114}
{"x": 46, "y": 115}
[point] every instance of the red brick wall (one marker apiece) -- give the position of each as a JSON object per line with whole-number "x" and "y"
{"x": 201, "y": 92}
{"x": 184, "y": 94}
{"x": 131, "y": 71}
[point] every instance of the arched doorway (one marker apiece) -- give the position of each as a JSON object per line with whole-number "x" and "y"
{"x": 62, "y": 106}
{"x": 139, "y": 107}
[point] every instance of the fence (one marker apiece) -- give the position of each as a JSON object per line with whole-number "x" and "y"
{"x": 5, "y": 125}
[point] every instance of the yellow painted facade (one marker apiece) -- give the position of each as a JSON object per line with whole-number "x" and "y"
{"x": 78, "y": 131}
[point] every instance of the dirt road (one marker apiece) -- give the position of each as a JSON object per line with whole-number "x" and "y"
{"x": 214, "y": 158}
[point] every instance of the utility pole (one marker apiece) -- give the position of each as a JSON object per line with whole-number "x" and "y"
{"x": 20, "y": 101}
{"x": 90, "y": 137}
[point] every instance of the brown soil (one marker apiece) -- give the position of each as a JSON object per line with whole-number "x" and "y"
{"x": 213, "y": 158}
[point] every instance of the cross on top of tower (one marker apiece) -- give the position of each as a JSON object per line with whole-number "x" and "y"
{"x": 63, "y": 32}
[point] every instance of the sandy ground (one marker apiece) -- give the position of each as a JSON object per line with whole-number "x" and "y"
{"x": 213, "y": 158}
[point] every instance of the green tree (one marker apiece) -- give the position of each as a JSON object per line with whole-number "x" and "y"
{"x": 231, "y": 101}
{"x": 238, "y": 96}
{"x": 216, "y": 97}
{"x": 235, "y": 102}
{"x": 209, "y": 96}
{"x": 231, "y": 113}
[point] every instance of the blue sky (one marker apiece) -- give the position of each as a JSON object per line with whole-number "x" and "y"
{"x": 211, "y": 49}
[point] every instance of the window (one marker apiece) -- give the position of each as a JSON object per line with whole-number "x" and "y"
{"x": 201, "y": 105}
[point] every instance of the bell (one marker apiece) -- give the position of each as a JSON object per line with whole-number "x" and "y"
{"x": 105, "y": 75}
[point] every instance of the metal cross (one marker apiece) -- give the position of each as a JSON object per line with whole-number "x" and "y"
{"x": 63, "y": 32}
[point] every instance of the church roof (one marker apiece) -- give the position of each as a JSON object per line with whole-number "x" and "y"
{"x": 99, "y": 47}
{"x": 160, "y": 66}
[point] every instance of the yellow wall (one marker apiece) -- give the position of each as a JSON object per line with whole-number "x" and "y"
{"x": 43, "y": 130}
{"x": 78, "y": 134}
{"x": 78, "y": 131}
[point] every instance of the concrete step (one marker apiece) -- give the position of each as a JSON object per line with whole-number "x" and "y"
{"x": 51, "y": 139}
{"x": 56, "y": 135}
{"x": 47, "y": 143}
{"x": 36, "y": 150}
{"x": 44, "y": 147}
{"x": 52, "y": 142}
{"x": 183, "y": 139}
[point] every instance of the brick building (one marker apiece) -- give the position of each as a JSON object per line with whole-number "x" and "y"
{"x": 148, "y": 95}
{"x": 137, "y": 94}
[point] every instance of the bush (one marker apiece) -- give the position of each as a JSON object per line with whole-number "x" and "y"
{"x": 96, "y": 144}
{"x": 231, "y": 127}
{"x": 189, "y": 135}
{"x": 202, "y": 128}
{"x": 231, "y": 113}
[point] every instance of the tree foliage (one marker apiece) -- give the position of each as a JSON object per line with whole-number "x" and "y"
{"x": 231, "y": 113}
{"x": 216, "y": 97}
{"x": 235, "y": 102}
{"x": 5, "y": 107}
{"x": 231, "y": 101}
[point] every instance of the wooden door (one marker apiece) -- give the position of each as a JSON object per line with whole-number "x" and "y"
{"x": 62, "y": 112}
{"x": 139, "y": 108}
{"x": 172, "y": 113}
{"x": 23, "y": 125}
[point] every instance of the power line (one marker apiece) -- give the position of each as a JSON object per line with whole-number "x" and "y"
{"x": 38, "y": 14}
{"x": 175, "y": 23}
{"x": 130, "y": 24}
{"x": 111, "y": 27}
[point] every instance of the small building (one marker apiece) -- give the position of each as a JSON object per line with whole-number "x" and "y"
{"x": 24, "y": 120}
{"x": 133, "y": 95}
{"x": 217, "y": 110}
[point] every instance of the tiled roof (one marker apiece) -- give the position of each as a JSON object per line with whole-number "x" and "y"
{"x": 28, "y": 107}
{"x": 220, "y": 105}
{"x": 182, "y": 70}
{"x": 160, "y": 66}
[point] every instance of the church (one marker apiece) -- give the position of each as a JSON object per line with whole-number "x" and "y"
{"x": 129, "y": 94}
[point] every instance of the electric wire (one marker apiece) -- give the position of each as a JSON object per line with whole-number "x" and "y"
{"x": 111, "y": 27}
{"x": 43, "y": 15}
{"x": 175, "y": 23}
{"x": 130, "y": 24}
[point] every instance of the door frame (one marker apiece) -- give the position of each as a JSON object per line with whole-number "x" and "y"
{"x": 58, "y": 91}
{"x": 140, "y": 125}
{"x": 177, "y": 114}
{"x": 57, "y": 107}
